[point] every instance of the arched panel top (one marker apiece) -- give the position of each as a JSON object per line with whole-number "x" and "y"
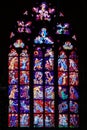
{"x": 13, "y": 53}
{"x": 38, "y": 52}
{"x": 73, "y": 54}
{"x": 62, "y": 54}
{"x": 49, "y": 52}
{"x": 24, "y": 53}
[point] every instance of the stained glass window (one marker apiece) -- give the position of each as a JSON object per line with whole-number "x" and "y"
{"x": 43, "y": 71}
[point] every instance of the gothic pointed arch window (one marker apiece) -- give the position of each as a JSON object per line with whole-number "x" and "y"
{"x": 43, "y": 71}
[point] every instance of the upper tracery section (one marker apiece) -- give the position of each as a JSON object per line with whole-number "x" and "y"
{"x": 43, "y": 12}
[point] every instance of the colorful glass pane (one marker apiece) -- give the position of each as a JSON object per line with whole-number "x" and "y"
{"x": 74, "y": 93}
{"x": 63, "y": 78}
{"x": 63, "y": 107}
{"x": 13, "y": 92}
{"x": 24, "y": 63}
{"x": 49, "y": 53}
{"x": 74, "y": 120}
{"x": 38, "y": 63}
{"x": 49, "y": 92}
{"x": 38, "y": 120}
{"x": 62, "y": 65}
{"x": 24, "y": 92}
{"x": 38, "y": 77}
{"x": 49, "y": 64}
{"x": 63, "y": 120}
{"x": 49, "y": 106}
{"x": 49, "y": 78}
{"x": 73, "y": 107}
{"x": 13, "y": 63}
{"x": 38, "y": 92}
{"x": 24, "y": 120}
{"x": 73, "y": 78}
{"x": 49, "y": 120}
{"x": 13, "y": 106}
{"x": 38, "y": 106}
{"x": 24, "y": 77}
{"x": 13, "y": 77}
{"x": 13, "y": 120}
{"x": 63, "y": 92}
{"x": 24, "y": 106}
{"x": 73, "y": 65}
